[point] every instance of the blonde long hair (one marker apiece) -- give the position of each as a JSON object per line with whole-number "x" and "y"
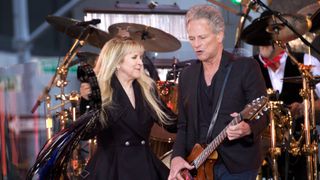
{"x": 111, "y": 55}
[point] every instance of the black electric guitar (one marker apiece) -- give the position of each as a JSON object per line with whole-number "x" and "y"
{"x": 203, "y": 159}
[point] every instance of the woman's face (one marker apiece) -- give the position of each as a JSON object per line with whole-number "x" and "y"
{"x": 131, "y": 67}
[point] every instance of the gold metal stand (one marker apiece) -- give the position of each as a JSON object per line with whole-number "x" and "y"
{"x": 309, "y": 149}
{"x": 274, "y": 150}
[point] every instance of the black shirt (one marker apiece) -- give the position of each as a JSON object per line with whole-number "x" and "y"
{"x": 206, "y": 105}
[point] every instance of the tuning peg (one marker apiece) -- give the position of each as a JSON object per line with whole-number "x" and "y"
{"x": 265, "y": 108}
{"x": 257, "y": 117}
{"x": 261, "y": 113}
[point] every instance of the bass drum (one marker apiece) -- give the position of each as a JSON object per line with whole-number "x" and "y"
{"x": 161, "y": 141}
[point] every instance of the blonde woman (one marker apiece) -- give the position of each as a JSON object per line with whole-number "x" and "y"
{"x": 130, "y": 106}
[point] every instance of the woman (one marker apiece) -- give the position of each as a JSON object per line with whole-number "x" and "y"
{"x": 130, "y": 107}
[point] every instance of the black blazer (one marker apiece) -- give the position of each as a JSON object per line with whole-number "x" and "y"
{"x": 245, "y": 83}
{"x": 123, "y": 150}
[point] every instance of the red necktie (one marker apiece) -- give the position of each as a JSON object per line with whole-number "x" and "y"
{"x": 272, "y": 63}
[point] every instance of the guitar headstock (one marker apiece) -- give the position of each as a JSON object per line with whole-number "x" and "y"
{"x": 255, "y": 108}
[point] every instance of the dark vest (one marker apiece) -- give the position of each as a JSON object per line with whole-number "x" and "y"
{"x": 290, "y": 91}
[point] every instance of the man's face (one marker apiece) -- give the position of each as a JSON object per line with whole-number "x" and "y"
{"x": 266, "y": 51}
{"x": 203, "y": 40}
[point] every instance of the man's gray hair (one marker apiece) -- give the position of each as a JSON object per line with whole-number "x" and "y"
{"x": 208, "y": 12}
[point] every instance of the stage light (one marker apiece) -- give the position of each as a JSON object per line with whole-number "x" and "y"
{"x": 236, "y": 2}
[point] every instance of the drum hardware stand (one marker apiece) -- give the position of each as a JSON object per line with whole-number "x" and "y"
{"x": 289, "y": 144}
{"x": 295, "y": 148}
{"x": 274, "y": 150}
{"x": 310, "y": 148}
{"x": 307, "y": 93}
{"x": 76, "y": 162}
{"x": 64, "y": 114}
{"x": 60, "y": 80}
{"x": 49, "y": 121}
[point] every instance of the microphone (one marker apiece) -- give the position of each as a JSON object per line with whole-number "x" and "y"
{"x": 87, "y": 23}
{"x": 251, "y": 4}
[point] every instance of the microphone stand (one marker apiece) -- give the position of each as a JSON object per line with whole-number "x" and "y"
{"x": 242, "y": 20}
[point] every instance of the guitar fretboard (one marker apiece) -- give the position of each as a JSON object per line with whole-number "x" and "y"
{"x": 215, "y": 143}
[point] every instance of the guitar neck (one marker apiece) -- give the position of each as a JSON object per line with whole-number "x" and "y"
{"x": 250, "y": 112}
{"x": 214, "y": 144}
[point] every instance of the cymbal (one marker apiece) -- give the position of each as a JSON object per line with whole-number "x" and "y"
{"x": 316, "y": 43}
{"x": 312, "y": 11}
{"x": 87, "y": 57}
{"x": 315, "y": 19}
{"x": 69, "y": 26}
{"x": 298, "y": 79}
{"x": 152, "y": 39}
{"x": 264, "y": 30}
{"x": 256, "y": 34}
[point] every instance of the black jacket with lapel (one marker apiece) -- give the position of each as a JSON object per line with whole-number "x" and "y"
{"x": 245, "y": 83}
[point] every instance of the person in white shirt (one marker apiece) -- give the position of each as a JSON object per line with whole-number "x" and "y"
{"x": 274, "y": 59}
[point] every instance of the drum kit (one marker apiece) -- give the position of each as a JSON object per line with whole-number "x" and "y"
{"x": 278, "y": 29}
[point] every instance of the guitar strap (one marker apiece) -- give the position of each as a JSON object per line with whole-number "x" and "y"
{"x": 215, "y": 113}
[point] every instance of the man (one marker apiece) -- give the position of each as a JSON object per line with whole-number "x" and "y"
{"x": 199, "y": 90}
{"x": 276, "y": 65}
